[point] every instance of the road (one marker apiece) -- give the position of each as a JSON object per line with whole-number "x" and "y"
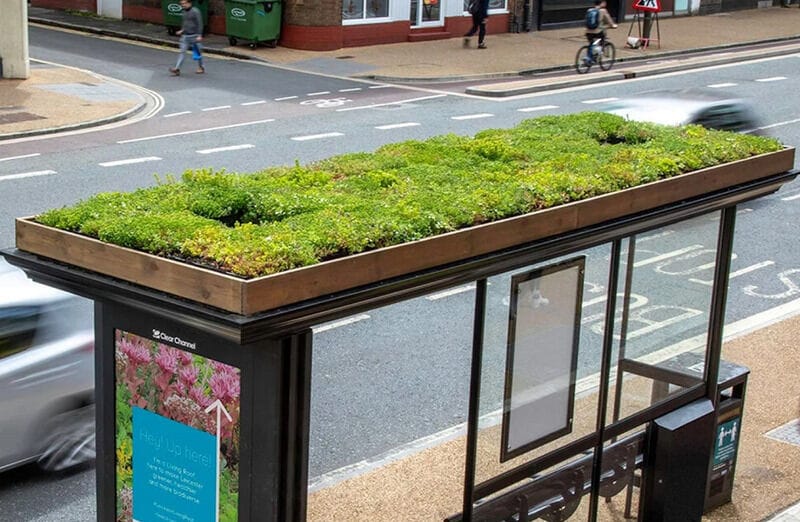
{"x": 270, "y": 116}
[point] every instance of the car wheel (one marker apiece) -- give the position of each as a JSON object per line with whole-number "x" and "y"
{"x": 69, "y": 439}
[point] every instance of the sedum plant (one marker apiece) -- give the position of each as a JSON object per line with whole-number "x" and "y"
{"x": 281, "y": 218}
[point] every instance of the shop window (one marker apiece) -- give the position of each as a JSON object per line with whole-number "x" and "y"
{"x": 493, "y": 4}
{"x": 361, "y": 9}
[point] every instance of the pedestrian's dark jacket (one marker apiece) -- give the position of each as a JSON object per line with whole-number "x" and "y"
{"x": 192, "y": 21}
{"x": 483, "y": 12}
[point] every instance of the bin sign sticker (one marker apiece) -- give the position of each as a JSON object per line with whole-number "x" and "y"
{"x": 174, "y": 8}
{"x": 238, "y": 13}
{"x": 726, "y": 441}
{"x": 177, "y": 433}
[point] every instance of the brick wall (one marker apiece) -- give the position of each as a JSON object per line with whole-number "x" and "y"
{"x": 313, "y": 13}
{"x": 80, "y": 5}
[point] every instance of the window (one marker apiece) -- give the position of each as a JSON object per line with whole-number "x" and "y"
{"x": 361, "y": 9}
{"x": 493, "y": 4}
{"x": 17, "y": 329}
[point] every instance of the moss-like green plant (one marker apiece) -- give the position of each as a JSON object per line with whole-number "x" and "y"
{"x": 286, "y": 217}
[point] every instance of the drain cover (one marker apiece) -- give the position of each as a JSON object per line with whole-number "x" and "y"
{"x": 789, "y": 432}
{"x": 16, "y": 117}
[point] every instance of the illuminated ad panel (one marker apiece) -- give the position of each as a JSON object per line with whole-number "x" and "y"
{"x": 177, "y": 432}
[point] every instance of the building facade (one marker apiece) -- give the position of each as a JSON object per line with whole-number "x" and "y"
{"x": 325, "y": 25}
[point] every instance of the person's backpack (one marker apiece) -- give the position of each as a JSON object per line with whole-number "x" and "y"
{"x": 592, "y": 18}
{"x": 474, "y": 7}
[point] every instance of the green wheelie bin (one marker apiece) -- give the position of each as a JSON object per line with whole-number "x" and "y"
{"x": 253, "y": 21}
{"x": 173, "y": 13}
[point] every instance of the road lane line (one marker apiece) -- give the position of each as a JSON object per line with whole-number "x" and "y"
{"x": 779, "y": 124}
{"x": 317, "y": 136}
{"x": 787, "y": 198}
{"x": 218, "y": 108}
{"x": 539, "y": 108}
{"x": 27, "y": 175}
{"x": 772, "y": 79}
{"x": 656, "y": 259}
{"x": 472, "y": 116}
{"x": 600, "y": 100}
{"x": 410, "y": 100}
{"x": 452, "y": 291}
{"x": 173, "y": 114}
{"x": 352, "y": 89}
{"x": 380, "y": 86}
{"x": 339, "y": 324}
{"x": 397, "y": 126}
{"x": 184, "y": 133}
{"x": 225, "y": 149}
{"x": 742, "y": 271}
{"x": 20, "y": 157}
{"x": 130, "y": 161}
{"x": 320, "y": 93}
{"x": 721, "y": 85}
{"x": 258, "y": 102}
{"x": 287, "y": 98}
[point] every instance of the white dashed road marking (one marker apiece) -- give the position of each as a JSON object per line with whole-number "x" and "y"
{"x": 320, "y": 93}
{"x": 353, "y": 89}
{"x": 20, "y": 157}
{"x": 130, "y": 161}
{"x": 259, "y": 102}
{"x": 173, "y": 114}
{"x": 27, "y": 175}
{"x": 337, "y": 324}
{"x": 216, "y": 108}
{"x": 472, "y": 116}
{"x": 599, "y": 100}
{"x": 772, "y": 79}
{"x": 286, "y": 98}
{"x": 397, "y": 126}
{"x": 226, "y": 149}
{"x": 539, "y": 108}
{"x": 787, "y": 198}
{"x": 387, "y": 104}
{"x": 317, "y": 136}
{"x": 721, "y": 85}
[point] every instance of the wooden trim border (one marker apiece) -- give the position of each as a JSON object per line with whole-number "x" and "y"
{"x": 248, "y": 297}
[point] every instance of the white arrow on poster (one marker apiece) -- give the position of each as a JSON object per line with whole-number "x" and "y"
{"x": 217, "y": 405}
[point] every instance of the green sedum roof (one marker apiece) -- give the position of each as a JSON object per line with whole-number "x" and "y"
{"x": 281, "y": 218}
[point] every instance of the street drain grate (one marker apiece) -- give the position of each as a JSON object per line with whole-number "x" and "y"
{"x": 16, "y": 117}
{"x": 789, "y": 432}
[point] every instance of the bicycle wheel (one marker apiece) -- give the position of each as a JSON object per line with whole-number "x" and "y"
{"x": 582, "y": 60}
{"x": 608, "y": 56}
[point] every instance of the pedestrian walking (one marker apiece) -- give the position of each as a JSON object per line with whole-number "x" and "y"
{"x": 191, "y": 33}
{"x": 479, "y": 9}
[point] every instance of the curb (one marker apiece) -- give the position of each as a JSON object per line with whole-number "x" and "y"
{"x": 542, "y": 84}
{"x": 76, "y": 126}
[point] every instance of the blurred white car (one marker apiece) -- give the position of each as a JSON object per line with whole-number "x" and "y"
{"x": 46, "y": 375}
{"x": 710, "y": 108}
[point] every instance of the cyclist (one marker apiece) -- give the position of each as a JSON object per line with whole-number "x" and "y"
{"x": 601, "y": 20}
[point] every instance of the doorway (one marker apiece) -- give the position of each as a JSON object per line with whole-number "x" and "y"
{"x": 426, "y": 13}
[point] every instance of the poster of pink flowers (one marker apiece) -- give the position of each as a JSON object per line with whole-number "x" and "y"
{"x": 179, "y": 386}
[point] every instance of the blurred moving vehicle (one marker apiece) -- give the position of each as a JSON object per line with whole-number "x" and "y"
{"x": 710, "y": 108}
{"x": 46, "y": 374}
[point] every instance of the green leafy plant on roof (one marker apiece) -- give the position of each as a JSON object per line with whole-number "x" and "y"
{"x": 281, "y": 218}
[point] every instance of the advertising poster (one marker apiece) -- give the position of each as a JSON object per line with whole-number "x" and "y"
{"x": 177, "y": 433}
{"x": 541, "y": 356}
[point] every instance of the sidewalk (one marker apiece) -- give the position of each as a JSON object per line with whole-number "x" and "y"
{"x": 768, "y": 466}
{"x": 544, "y": 59}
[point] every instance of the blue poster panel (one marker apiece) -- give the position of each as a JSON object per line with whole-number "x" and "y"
{"x": 174, "y": 470}
{"x": 177, "y": 432}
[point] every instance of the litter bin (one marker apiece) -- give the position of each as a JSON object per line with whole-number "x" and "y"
{"x": 173, "y": 14}
{"x": 731, "y": 386}
{"x": 253, "y": 20}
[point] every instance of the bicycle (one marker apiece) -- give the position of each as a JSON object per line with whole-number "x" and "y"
{"x": 594, "y": 54}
